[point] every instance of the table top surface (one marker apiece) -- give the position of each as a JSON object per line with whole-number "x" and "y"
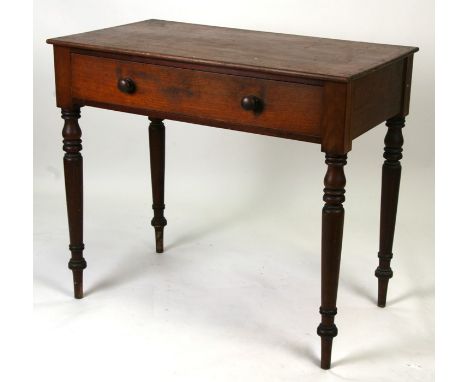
{"x": 278, "y": 53}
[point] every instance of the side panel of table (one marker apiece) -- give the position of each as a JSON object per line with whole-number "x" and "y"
{"x": 351, "y": 109}
{"x": 380, "y": 95}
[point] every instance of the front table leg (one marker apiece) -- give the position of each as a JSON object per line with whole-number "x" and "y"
{"x": 332, "y": 235}
{"x": 73, "y": 168}
{"x": 157, "y": 142}
{"x": 391, "y": 173}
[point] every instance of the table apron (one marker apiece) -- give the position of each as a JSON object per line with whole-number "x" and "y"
{"x": 288, "y": 109}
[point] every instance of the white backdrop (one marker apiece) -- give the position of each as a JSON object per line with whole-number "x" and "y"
{"x": 236, "y": 295}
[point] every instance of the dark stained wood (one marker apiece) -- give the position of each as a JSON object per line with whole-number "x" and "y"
{"x": 408, "y": 71}
{"x": 206, "y": 121}
{"x": 335, "y": 123}
{"x": 391, "y": 173}
{"x": 252, "y": 103}
{"x": 62, "y": 66}
{"x": 376, "y": 97}
{"x": 291, "y": 55}
{"x": 304, "y": 88}
{"x": 157, "y": 144}
{"x": 73, "y": 168}
{"x": 332, "y": 235}
{"x": 200, "y": 67}
{"x": 126, "y": 85}
{"x": 286, "y": 106}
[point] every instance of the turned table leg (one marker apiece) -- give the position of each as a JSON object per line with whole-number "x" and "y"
{"x": 332, "y": 235}
{"x": 73, "y": 168}
{"x": 391, "y": 173}
{"x": 157, "y": 154}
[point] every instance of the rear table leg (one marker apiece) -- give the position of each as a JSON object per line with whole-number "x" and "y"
{"x": 391, "y": 173}
{"x": 157, "y": 156}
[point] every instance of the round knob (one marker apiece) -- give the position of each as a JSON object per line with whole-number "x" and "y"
{"x": 126, "y": 85}
{"x": 252, "y": 103}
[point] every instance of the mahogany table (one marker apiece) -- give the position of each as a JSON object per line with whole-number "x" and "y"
{"x": 304, "y": 88}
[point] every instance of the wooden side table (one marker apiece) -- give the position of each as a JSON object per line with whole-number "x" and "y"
{"x": 305, "y": 88}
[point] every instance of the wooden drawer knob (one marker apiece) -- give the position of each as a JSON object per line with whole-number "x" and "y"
{"x": 252, "y": 103}
{"x": 126, "y": 85}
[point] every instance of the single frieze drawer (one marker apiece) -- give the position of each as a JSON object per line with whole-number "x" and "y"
{"x": 231, "y": 99}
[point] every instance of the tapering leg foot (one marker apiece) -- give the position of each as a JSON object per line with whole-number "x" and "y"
{"x": 157, "y": 158}
{"x": 332, "y": 235}
{"x": 77, "y": 263}
{"x": 73, "y": 169}
{"x": 391, "y": 173}
{"x": 159, "y": 237}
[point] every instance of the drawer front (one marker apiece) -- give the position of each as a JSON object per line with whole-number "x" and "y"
{"x": 285, "y": 106}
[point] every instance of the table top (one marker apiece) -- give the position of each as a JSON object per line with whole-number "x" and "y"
{"x": 277, "y": 53}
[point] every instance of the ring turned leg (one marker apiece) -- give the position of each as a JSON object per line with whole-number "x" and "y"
{"x": 391, "y": 173}
{"x": 73, "y": 169}
{"x": 157, "y": 154}
{"x": 332, "y": 235}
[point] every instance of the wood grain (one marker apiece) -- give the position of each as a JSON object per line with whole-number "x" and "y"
{"x": 287, "y": 106}
{"x": 376, "y": 97}
{"x": 335, "y": 124}
{"x": 291, "y": 55}
{"x": 62, "y": 67}
{"x": 408, "y": 73}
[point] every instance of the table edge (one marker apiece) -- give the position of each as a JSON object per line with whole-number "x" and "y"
{"x": 223, "y": 64}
